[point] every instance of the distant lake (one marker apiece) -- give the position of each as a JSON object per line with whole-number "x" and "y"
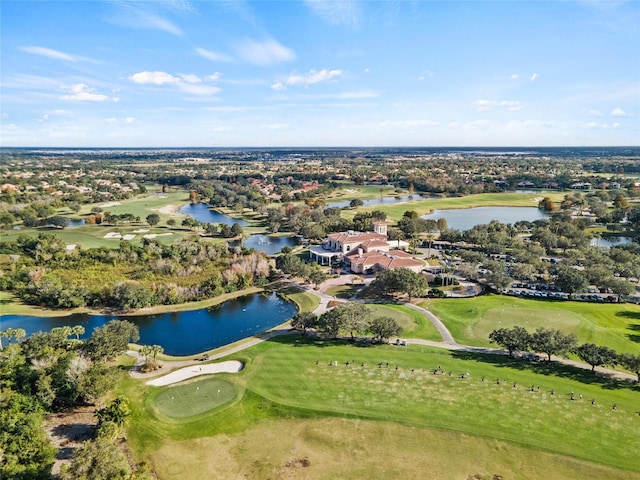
{"x": 467, "y": 218}
{"x": 379, "y": 201}
{"x": 269, "y": 244}
{"x": 181, "y": 333}
{"x": 610, "y": 241}
{"x": 203, "y": 213}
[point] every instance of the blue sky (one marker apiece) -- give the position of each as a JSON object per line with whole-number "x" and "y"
{"x": 125, "y": 73}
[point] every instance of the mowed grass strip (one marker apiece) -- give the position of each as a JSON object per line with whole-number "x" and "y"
{"x": 193, "y": 398}
{"x": 471, "y": 320}
{"x": 413, "y": 395}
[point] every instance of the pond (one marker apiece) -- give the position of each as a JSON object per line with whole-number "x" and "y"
{"x": 181, "y": 333}
{"x": 466, "y": 218}
{"x": 269, "y": 244}
{"x": 379, "y": 201}
{"x": 610, "y": 241}
{"x": 203, "y": 213}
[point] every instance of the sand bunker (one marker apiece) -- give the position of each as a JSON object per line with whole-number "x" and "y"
{"x": 142, "y": 230}
{"x": 154, "y": 235}
{"x": 230, "y": 366}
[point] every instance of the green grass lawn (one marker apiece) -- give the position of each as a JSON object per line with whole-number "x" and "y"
{"x": 413, "y": 323}
{"x": 471, "y": 320}
{"x": 288, "y": 388}
{"x": 343, "y": 291}
{"x": 194, "y": 398}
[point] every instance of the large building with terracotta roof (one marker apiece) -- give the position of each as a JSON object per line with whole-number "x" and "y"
{"x": 365, "y": 252}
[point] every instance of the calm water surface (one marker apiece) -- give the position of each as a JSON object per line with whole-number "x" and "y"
{"x": 268, "y": 244}
{"x": 202, "y": 213}
{"x": 466, "y": 218}
{"x": 181, "y": 333}
{"x": 379, "y": 201}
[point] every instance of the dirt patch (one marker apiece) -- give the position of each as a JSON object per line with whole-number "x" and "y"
{"x": 68, "y": 430}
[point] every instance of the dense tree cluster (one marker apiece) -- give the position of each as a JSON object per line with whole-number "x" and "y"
{"x": 44, "y": 272}
{"x": 348, "y": 318}
{"x": 50, "y": 371}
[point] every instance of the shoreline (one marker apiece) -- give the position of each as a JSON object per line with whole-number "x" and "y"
{"x": 34, "y": 311}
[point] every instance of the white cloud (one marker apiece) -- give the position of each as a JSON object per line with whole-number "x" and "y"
{"x": 515, "y": 76}
{"x": 616, "y": 125}
{"x": 313, "y": 77}
{"x": 483, "y": 105}
{"x": 129, "y": 120}
{"x": 534, "y": 77}
{"x": 191, "y": 78}
{"x": 278, "y": 86}
{"x": 213, "y": 56}
{"x": 131, "y": 16}
{"x": 80, "y": 92}
{"x": 454, "y": 125}
{"x": 337, "y": 12}
{"x": 50, "y": 53}
{"x": 618, "y": 112}
{"x": 155, "y": 78}
{"x": 268, "y": 52}
{"x": 111, "y": 120}
{"x": 188, "y": 83}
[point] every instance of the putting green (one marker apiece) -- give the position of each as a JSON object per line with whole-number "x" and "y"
{"x": 194, "y": 398}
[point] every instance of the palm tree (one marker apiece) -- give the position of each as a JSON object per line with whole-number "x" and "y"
{"x": 155, "y": 350}
{"x": 77, "y": 330}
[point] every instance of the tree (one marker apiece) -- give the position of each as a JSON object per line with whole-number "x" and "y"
{"x": 571, "y": 280}
{"x": 631, "y": 362}
{"x": 117, "y": 411}
{"x": 100, "y": 459}
{"x": 27, "y": 453}
{"x": 349, "y": 317}
{"x": 316, "y": 276}
{"x": 131, "y": 295}
{"x": 171, "y": 222}
{"x": 304, "y": 320}
{"x": 355, "y": 203}
{"x": 77, "y": 330}
{"x": 153, "y": 219}
{"x": 512, "y": 339}
{"x": 58, "y": 221}
{"x": 546, "y": 204}
{"x": 400, "y": 280}
{"x": 111, "y": 339}
{"x": 384, "y": 328}
{"x": 552, "y": 342}
{"x": 596, "y": 355}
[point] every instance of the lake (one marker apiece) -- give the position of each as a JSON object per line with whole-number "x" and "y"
{"x": 379, "y": 201}
{"x": 203, "y": 213}
{"x": 610, "y": 241}
{"x": 269, "y": 244}
{"x": 181, "y": 333}
{"x": 466, "y": 218}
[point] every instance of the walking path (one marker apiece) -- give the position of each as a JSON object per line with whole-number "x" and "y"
{"x": 448, "y": 343}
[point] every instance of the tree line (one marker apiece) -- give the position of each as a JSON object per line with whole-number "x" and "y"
{"x": 554, "y": 342}
{"x": 349, "y": 319}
